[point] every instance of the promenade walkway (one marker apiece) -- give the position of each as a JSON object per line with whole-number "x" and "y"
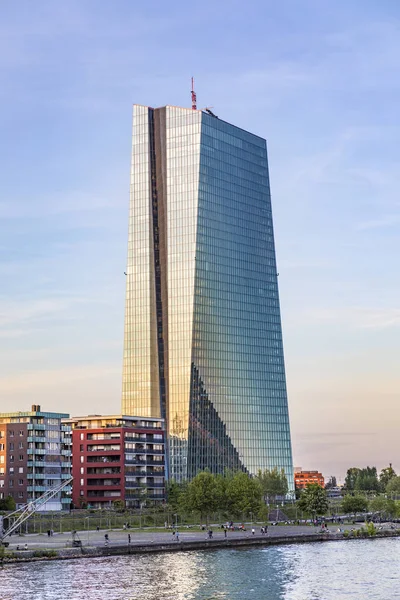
{"x": 141, "y": 537}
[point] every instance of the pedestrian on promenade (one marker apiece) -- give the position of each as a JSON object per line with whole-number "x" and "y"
{"x": 106, "y": 540}
{"x": 177, "y": 536}
{"x": 225, "y": 534}
{"x": 129, "y": 538}
{"x": 266, "y": 529}
{"x": 262, "y": 531}
{"x": 253, "y": 531}
{"x": 210, "y": 534}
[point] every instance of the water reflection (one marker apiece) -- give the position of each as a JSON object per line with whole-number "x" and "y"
{"x": 358, "y": 570}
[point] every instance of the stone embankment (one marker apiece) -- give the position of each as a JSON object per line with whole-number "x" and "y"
{"x": 174, "y": 546}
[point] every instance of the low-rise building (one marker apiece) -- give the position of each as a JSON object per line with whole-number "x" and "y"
{"x": 302, "y": 478}
{"x": 117, "y": 458}
{"x": 35, "y": 456}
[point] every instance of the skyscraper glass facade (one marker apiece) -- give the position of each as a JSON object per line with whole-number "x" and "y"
{"x": 203, "y": 338}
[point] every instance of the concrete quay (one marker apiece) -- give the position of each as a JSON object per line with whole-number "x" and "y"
{"x": 59, "y": 546}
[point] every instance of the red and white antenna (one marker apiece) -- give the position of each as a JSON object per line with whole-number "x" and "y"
{"x": 194, "y": 97}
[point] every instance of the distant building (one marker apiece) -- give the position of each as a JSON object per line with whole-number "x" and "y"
{"x": 35, "y": 455}
{"x": 117, "y": 458}
{"x": 334, "y": 492}
{"x": 302, "y": 478}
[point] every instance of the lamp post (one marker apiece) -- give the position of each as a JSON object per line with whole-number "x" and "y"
{"x": 87, "y": 526}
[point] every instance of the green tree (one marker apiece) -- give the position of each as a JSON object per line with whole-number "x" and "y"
{"x": 313, "y": 500}
{"x": 393, "y": 487}
{"x": 354, "y": 504}
{"x": 273, "y": 483}
{"x": 332, "y": 483}
{"x": 176, "y": 494}
{"x": 351, "y": 476}
{"x": 202, "y": 494}
{"x": 8, "y": 503}
{"x": 386, "y": 475}
{"x": 243, "y": 494}
{"x": 367, "y": 480}
{"x": 383, "y": 505}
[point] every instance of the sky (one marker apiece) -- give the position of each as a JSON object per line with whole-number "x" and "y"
{"x": 320, "y": 80}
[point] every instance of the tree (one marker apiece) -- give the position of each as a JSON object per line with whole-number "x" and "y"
{"x": 8, "y": 503}
{"x": 351, "y": 476}
{"x": 393, "y": 487}
{"x": 332, "y": 483}
{"x": 362, "y": 480}
{"x": 367, "y": 480}
{"x": 273, "y": 483}
{"x": 383, "y": 505}
{"x": 243, "y": 494}
{"x": 313, "y": 500}
{"x": 386, "y": 475}
{"x": 202, "y": 494}
{"x": 354, "y": 504}
{"x": 175, "y": 494}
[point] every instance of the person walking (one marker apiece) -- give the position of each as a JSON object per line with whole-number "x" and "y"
{"x": 129, "y": 538}
{"x": 177, "y": 536}
{"x": 253, "y": 531}
{"x": 225, "y": 534}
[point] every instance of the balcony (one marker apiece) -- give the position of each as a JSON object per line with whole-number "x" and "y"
{"x": 37, "y": 451}
{"x": 36, "y": 476}
{"x": 33, "y": 427}
{"x": 37, "y": 488}
{"x": 40, "y": 439}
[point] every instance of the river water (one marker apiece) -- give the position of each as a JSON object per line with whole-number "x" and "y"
{"x": 357, "y": 570}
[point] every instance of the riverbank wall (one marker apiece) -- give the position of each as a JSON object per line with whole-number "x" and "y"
{"x": 182, "y": 546}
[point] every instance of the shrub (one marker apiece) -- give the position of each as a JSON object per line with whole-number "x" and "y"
{"x": 45, "y": 553}
{"x": 370, "y": 529}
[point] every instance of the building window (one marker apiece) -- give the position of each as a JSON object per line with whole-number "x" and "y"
{"x": 21, "y": 445}
{"x": 20, "y": 494}
{"x": 21, "y": 457}
{"x": 21, "y": 433}
{"x": 11, "y": 483}
{"x": 20, "y": 482}
{"x": 20, "y": 469}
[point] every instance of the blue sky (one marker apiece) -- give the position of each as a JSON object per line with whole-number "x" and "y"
{"x": 319, "y": 80}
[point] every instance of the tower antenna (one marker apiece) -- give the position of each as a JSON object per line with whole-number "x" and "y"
{"x": 194, "y": 97}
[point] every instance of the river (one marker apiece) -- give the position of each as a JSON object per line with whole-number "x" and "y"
{"x": 357, "y": 570}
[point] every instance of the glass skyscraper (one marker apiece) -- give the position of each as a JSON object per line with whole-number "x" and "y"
{"x": 203, "y": 339}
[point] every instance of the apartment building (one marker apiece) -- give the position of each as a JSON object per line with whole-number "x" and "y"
{"x": 35, "y": 456}
{"x": 302, "y": 478}
{"x": 117, "y": 458}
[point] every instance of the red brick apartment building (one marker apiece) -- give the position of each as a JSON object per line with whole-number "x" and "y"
{"x": 302, "y": 478}
{"x": 117, "y": 458}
